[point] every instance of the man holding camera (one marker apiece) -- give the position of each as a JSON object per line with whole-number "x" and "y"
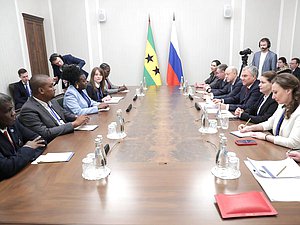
{"x": 264, "y": 60}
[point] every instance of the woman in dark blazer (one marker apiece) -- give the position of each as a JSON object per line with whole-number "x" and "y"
{"x": 266, "y": 105}
{"x": 95, "y": 87}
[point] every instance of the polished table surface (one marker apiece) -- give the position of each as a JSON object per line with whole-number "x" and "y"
{"x": 160, "y": 172}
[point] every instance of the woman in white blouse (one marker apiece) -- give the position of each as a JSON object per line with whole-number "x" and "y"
{"x": 285, "y": 122}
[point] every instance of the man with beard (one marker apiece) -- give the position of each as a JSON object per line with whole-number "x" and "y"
{"x": 264, "y": 60}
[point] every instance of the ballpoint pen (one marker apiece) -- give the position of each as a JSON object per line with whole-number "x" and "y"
{"x": 294, "y": 150}
{"x": 280, "y": 171}
{"x": 247, "y": 122}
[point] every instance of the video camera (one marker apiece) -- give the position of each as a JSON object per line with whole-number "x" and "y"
{"x": 246, "y": 51}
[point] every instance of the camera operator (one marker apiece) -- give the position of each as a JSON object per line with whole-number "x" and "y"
{"x": 264, "y": 60}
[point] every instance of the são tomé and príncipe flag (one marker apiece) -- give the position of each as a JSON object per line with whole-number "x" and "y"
{"x": 151, "y": 68}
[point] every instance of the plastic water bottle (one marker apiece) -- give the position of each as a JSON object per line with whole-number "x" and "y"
{"x": 222, "y": 157}
{"x": 144, "y": 84}
{"x": 99, "y": 160}
{"x": 219, "y": 116}
{"x": 181, "y": 83}
{"x": 102, "y": 149}
{"x": 204, "y": 120}
{"x": 120, "y": 123}
{"x": 141, "y": 88}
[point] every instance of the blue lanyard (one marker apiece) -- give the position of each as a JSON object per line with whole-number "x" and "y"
{"x": 86, "y": 98}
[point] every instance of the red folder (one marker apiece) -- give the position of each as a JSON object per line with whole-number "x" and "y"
{"x": 244, "y": 205}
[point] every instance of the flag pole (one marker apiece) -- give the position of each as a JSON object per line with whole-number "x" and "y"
{"x": 173, "y": 16}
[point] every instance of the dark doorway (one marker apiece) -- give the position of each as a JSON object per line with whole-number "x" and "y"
{"x": 35, "y": 37}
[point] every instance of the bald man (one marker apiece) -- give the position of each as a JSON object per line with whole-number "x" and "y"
{"x": 44, "y": 115}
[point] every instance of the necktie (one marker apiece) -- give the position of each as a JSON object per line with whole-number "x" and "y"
{"x": 27, "y": 89}
{"x": 88, "y": 101}
{"x": 99, "y": 94}
{"x": 108, "y": 84}
{"x": 55, "y": 115}
{"x": 8, "y": 137}
{"x": 279, "y": 124}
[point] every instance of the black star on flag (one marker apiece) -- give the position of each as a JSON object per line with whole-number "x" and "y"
{"x": 156, "y": 70}
{"x": 149, "y": 58}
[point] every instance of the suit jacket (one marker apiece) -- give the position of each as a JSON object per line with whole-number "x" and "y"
{"x": 13, "y": 159}
{"x": 35, "y": 117}
{"x": 296, "y": 72}
{"x": 20, "y": 94}
{"x": 95, "y": 93}
{"x": 265, "y": 112}
{"x": 76, "y": 104}
{"x": 110, "y": 88}
{"x": 289, "y": 133}
{"x": 245, "y": 98}
{"x": 68, "y": 60}
{"x": 270, "y": 62}
{"x": 211, "y": 78}
{"x": 224, "y": 89}
{"x": 234, "y": 89}
{"x": 216, "y": 84}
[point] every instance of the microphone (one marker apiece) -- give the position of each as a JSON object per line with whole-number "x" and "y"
{"x": 135, "y": 98}
{"x": 191, "y": 98}
{"x": 197, "y": 106}
{"x": 129, "y": 108}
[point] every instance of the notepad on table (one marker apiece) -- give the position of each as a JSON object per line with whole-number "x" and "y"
{"x": 113, "y": 100}
{"x": 86, "y": 127}
{"x": 240, "y": 135}
{"x": 52, "y": 157}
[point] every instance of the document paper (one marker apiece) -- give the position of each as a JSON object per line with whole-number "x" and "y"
{"x": 279, "y": 185}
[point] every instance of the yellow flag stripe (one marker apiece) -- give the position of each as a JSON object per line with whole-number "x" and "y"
{"x": 150, "y": 66}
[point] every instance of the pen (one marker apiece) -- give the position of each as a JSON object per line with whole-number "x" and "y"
{"x": 280, "y": 171}
{"x": 247, "y": 122}
{"x": 294, "y": 150}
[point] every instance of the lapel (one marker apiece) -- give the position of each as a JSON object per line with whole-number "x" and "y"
{"x": 44, "y": 111}
{"x": 267, "y": 58}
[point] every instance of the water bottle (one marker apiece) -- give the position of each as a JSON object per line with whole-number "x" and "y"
{"x": 181, "y": 83}
{"x": 185, "y": 87}
{"x": 222, "y": 157}
{"x": 98, "y": 160}
{"x": 219, "y": 116}
{"x": 144, "y": 84}
{"x": 120, "y": 123}
{"x": 141, "y": 88}
{"x": 204, "y": 120}
{"x": 102, "y": 149}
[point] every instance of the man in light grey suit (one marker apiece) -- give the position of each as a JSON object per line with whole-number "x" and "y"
{"x": 44, "y": 115}
{"x": 264, "y": 60}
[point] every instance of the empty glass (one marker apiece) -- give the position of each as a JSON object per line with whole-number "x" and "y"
{"x": 224, "y": 122}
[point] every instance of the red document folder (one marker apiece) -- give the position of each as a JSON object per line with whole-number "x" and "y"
{"x": 244, "y": 205}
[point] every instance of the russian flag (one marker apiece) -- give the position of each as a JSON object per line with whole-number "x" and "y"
{"x": 174, "y": 72}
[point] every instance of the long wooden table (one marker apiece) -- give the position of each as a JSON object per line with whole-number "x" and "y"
{"x": 160, "y": 172}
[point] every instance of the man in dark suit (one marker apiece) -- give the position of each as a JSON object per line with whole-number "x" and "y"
{"x": 21, "y": 89}
{"x": 294, "y": 65}
{"x": 57, "y": 61}
{"x": 235, "y": 84}
{"x": 44, "y": 115}
{"x": 18, "y": 145}
{"x": 249, "y": 93}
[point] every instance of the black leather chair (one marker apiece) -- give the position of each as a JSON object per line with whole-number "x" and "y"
{"x": 60, "y": 99}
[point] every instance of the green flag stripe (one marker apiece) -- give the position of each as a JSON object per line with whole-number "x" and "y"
{"x": 148, "y": 78}
{"x": 150, "y": 37}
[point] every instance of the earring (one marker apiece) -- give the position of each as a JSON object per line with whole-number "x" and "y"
{"x": 77, "y": 86}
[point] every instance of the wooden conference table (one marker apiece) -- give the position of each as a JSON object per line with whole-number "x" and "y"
{"x": 160, "y": 172}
